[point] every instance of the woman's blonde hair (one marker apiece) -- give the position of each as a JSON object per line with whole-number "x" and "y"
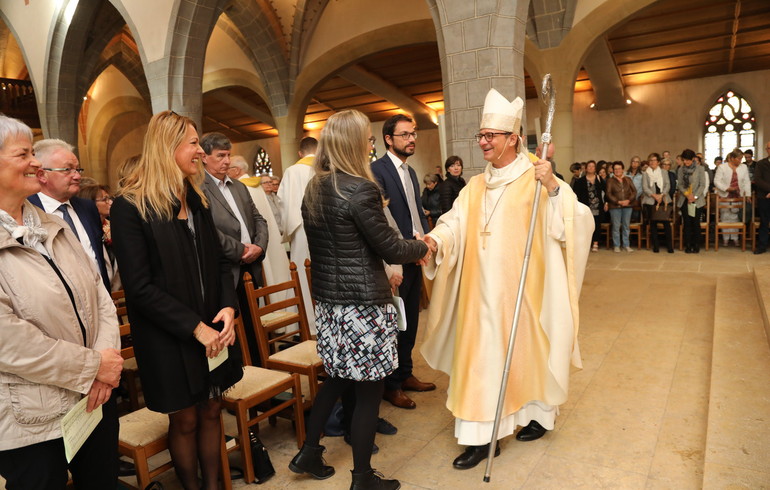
{"x": 736, "y": 153}
{"x": 344, "y": 147}
{"x": 155, "y": 184}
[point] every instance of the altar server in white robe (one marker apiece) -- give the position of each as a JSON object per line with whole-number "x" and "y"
{"x": 480, "y": 249}
{"x": 291, "y": 192}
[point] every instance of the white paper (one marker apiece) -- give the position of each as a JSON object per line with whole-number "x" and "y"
{"x": 77, "y": 425}
{"x": 401, "y": 310}
{"x": 215, "y": 362}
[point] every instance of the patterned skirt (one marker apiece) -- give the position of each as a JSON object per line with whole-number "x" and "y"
{"x": 357, "y": 342}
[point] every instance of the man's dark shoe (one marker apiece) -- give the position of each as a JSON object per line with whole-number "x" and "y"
{"x": 126, "y": 468}
{"x": 472, "y": 456}
{"x": 310, "y": 460}
{"x": 399, "y": 399}
{"x": 385, "y": 427}
{"x": 760, "y": 251}
{"x": 532, "y": 431}
{"x": 413, "y": 384}
{"x": 375, "y": 447}
{"x": 372, "y": 480}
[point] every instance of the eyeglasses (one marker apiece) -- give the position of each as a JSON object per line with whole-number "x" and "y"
{"x": 65, "y": 170}
{"x": 105, "y": 199}
{"x": 488, "y": 136}
{"x": 372, "y": 140}
{"x": 406, "y": 136}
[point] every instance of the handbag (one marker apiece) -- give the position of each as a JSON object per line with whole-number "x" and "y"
{"x": 263, "y": 468}
{"x": 662, "y": 212}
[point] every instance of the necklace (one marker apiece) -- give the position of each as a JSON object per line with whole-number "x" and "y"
{"x": 485, "y": 233}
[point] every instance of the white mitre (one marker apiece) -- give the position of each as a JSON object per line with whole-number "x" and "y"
{"x": 500, "y": 114}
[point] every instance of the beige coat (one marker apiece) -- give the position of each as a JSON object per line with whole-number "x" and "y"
{"x": 44, "y": 366}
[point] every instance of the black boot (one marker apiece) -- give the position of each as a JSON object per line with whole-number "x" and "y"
{"x": 310, "y": 460}
{"x": 372, "y": 480}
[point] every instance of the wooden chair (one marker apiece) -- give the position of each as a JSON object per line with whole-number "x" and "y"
{"x": 255, "y": 391}
{"x": 144, "y": 433}
{"x": 730, "y": 203}
{"x": 300, "y": 358}
{"x": 705, "y": 226}
{"x": 309, "y": 275}
{"x": 754, "y": 223}
{"x": 607, "y": 229}
{"x": 130, "y": 375}
{"x": 636, "y": 228}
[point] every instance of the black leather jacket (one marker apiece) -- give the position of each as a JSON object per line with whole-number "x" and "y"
{"x": 449, "y": 190}
{"x": 349, "y": 237}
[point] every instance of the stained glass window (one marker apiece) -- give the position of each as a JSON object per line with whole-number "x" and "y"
{"x": 262, "y": 164}
{"x": 729, "y": 124}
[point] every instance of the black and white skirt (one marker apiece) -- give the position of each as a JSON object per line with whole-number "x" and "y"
{"x": 357, "y": 342}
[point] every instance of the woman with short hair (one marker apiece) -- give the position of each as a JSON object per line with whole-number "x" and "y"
{"x": 621, "y": 194}
{"x": 179, "y": 293}
{"x": 453, "y": 183}
{"x": 430, "y": 197}
{"x": 589, "y": 190}
{"x": 59, "y": 336}
{"x": 349, "y": 238}
{"x": 655, "y": 187}
{"x": 732, "y": 181}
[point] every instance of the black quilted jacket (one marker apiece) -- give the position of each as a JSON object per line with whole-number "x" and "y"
{"x": 349, "y": 239}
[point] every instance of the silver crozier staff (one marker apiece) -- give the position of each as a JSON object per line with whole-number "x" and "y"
{"x": 549, "y": 96}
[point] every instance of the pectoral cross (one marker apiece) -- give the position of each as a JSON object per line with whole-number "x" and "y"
{"x": 484, "y": 234}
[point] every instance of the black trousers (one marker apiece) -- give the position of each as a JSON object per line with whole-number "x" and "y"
{"x": 648, "y": 210}
{"x": 410, "y": 290}
{"x": 43, "y": 466}
{"x": 245, "y": 313}
{"x": 763, "y": 209}
{"x": 691, "y": 227}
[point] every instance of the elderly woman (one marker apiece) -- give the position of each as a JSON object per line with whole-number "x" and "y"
{"x": 589, "y": 190}
{"x": 179, "y": 293}
{"x": 655, "y": 187}
{"x": 349, "y": 238}
{"x": 692, "y": 184}
{"x": 58, "y": 337}
{"x": 102, "y": 197}
{"x": 430, "y": 197}
{"x": 732, "y": 181}
{"x": 454, "y": 182}
{"x": 620, "y": 196}
{"x": 665, "y": 165}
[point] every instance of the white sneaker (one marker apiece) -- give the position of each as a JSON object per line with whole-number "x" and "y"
{"x": 617, "y": 250}
{"x": 629, "y": 249}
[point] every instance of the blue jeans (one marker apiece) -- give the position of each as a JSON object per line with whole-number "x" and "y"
{"x": 620, "y": 217}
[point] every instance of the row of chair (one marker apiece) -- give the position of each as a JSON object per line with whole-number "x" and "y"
{"x": 288, "y": 357}
{"x": 712, "y": 221}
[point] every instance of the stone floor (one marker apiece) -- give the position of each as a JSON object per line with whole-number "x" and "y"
{"x": 638, "y": 411}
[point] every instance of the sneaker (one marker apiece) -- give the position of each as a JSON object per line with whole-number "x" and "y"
{"x": 629, "y": 249}
{"x": 617, "y": 250}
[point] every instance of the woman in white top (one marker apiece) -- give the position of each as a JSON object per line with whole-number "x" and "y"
{"x": 655, "y": 187}
{"x": 732, "y": 180}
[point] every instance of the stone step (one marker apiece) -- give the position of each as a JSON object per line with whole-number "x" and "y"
{"x": 737, "y": 443}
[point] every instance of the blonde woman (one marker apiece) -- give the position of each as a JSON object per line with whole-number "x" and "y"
{"x": 349, "y": 238}
{"x": 179, "y": 293}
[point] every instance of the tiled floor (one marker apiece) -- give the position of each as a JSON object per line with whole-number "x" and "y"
{"x": 637, "y": 413}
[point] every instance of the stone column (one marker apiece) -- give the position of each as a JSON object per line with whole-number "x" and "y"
{"x": 289, "y": 134}
{"x": 481, "y": 45}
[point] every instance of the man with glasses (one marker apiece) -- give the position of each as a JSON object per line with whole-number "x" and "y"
{"x": 60, "y": 182}
{"x": 399, "y": 184}
{"x": 479, "y": 252}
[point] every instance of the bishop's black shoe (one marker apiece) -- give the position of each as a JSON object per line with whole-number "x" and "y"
{"x": 532, "y": 431}
{"x": 472, "y": 456}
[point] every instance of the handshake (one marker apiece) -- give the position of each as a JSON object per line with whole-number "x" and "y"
{"x": 432, "y": 247}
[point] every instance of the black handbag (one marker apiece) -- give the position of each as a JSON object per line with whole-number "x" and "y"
{"x": 263, "y": 468}
{"x": 662, "y": 212}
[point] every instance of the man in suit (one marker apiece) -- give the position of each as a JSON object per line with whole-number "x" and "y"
{"x": 242, "y": 230}
{"x": 399, "y": 184}
{"x": 60, "y": 181}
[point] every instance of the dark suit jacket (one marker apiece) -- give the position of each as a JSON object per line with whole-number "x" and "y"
{"x": 390, "y": 183}
{"x": 229, "y": 228}
{"x": 89, "y": 218}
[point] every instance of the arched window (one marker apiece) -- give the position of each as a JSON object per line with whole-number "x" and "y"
{"x": 730, "y": 124}
{"x": 262, "y": 164}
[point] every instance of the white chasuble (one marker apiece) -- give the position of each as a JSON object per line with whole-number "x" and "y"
{"x": 476, "y": 276}
{"x": 291, "y": 191}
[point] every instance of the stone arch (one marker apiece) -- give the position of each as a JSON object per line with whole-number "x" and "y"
{"x": 349, "y": 52}
{"x": 230, "y": 77}
{"x": 110, "y": 118}
{"x": 305, "y": 21}
{"x": 261, "y": 29}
